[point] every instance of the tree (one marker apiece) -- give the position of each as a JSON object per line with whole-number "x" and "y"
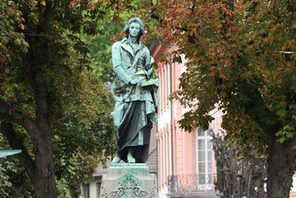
{"x": 241, "y": 58}
{"x": 100, "y": 49}
{"x": 51, "y": 105}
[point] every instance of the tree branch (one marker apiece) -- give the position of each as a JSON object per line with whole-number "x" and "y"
{"x": 8, "y": 113}
{"x": 39, "y": 87}
{"x": 260, "y": 113}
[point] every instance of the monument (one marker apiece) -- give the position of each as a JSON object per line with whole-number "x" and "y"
{"x": 135, "y": 92}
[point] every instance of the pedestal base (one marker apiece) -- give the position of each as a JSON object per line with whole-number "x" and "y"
{"x": 128, "y": 181}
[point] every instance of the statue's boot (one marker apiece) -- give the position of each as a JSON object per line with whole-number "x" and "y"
{"x": 116, "y": 160}
{"x": 130, "y": 158}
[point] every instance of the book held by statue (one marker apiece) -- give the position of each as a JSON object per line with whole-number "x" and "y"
{"x": 150, "y": 82}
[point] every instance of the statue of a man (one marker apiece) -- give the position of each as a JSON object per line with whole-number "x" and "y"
{"x": 135, "y": 92}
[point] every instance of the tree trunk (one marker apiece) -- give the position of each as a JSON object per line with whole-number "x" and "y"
{"x": 40, "y": 170}
{"x": 280, "y": 169}
{"x": 44, "y": 178}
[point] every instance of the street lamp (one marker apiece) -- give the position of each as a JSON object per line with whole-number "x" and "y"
{"x": 5, "y": 153}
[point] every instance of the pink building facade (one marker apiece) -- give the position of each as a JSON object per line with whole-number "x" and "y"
{"x": 186, "y": 164}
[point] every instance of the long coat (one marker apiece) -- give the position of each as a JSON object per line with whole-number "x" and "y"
{"x": 136, "y": 105}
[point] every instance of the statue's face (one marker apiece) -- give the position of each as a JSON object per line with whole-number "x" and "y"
{"x": 134, "y": 29}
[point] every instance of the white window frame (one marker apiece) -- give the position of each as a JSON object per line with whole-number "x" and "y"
{"x": 207, "y": 159}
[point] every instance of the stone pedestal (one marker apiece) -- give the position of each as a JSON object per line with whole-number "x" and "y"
{"x": 128, "y": 181}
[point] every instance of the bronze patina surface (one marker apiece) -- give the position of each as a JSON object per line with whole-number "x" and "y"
{"x": 135, "y": 92}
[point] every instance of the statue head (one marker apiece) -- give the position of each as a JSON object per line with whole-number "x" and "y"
{"x": 134, "y": 20}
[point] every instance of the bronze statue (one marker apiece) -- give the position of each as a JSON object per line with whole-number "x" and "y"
{"x": 135, "y": 92}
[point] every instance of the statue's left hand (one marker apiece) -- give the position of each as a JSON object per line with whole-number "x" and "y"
{"x": 134, "y": 82}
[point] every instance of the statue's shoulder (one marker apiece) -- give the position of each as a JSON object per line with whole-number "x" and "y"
{"x": 119, "y": 43}
{"x": 116, "y": 45}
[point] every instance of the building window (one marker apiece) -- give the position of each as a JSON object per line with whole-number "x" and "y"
{"x": 86, "y": 191}
{"x": 204, "y": 159}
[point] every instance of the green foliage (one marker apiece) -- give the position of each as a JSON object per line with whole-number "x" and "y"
{"x": 100, "y": 48}
{"x": 82, "y": 125}
{"x": 10, "y": 20}
{"x": 83, "y": 133}
{"x": 287, "y": 132}
{"x": 14, "y": 180}
{"x": 5, "y": 183}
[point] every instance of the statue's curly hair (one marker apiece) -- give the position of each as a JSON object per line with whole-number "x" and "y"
{"x": 137, "y": 20}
